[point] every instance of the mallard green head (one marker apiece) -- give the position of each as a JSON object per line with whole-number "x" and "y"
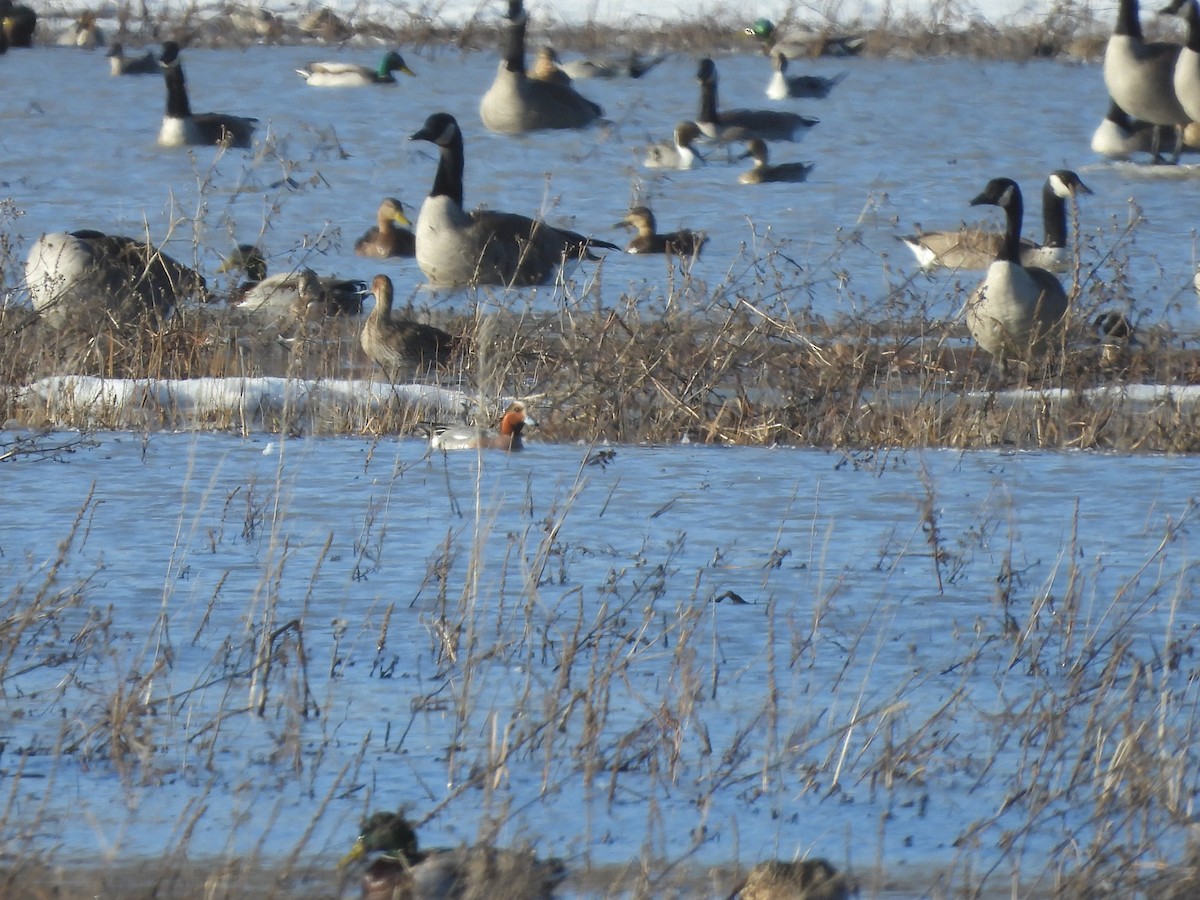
{"x": 385, "y": 832}
{"x": 761, "y": 29}
{"x": 394, "y": 62}
{"x": 249, "y": 259}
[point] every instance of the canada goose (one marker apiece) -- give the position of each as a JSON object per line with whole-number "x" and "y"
{"x": 1015, "y": 309}
{"x": 764, "y": 173}
{"x": 1187, "y": 67}
{"x": 120, "y": 64}
{"x": 387, "y": 237}
{"x": 741, "y": 124}
{"x": 807, "y": 879}
{"x": 18, "y": 22}
{"x": 800, "y": 45}
{"x": 632, "y": 66}
{"x": 123, "y": 279}
{"x": 299, "y": 294}
{"x": 814, "y": 87}
{"x": 344, "y": 74}
{"x": 1118, "y": 136}
{"x": 400, "y": 346}
{"x": 516, "y": 103}
{"x": 546, "y": 68}
{"x": 402, "y": 871}
{"x": 506, "y": 435}
{"x": 1140, "y": 76}
{"x": 976, "y": 248}
{"x": 455, "y": 247}
{"x": 180, "y": 128}
{"x": 648, "y": 240}
{"x": 677, "y": 153}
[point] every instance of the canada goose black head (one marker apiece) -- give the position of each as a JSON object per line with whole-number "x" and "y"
{"x": 1005, "y": 193}
{"x": 169, "y": 57}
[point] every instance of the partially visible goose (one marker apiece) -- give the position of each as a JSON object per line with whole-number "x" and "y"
{"x": 387, "y": 237}
{"x": 807, "y": 879}
{"x": 120, "y": 64}
{"x": 1140, "y": 76}
{"x": 1118, "y": 136}
{"x": 401, "y": 347}
{"x": 344, "y": 74}
{"x": 782, "y": 85}
{"x": 681, "y": 243}
{"x": 299, "y": 294}
{"x": 1187, "y": 67}
{"x": 976, "y": 248}
{"x": 546, "y": 67}
{"x": 455, "y": 247}
{"x": 516, "y": 103}
{"x": 764, "y": 173}
{"x": 506, "y": 436}
{"x": 18, "y": 22}
{"x": 632, "y": 66}
{"x": 180, "y": 128}
{"x": 677, "y": 153}
{"x": 810, "y": 43}
{"x": 741, "y": 124}
{"x": 125, "y": 280}
{"x": 1015, "y": 310}
{"x": 403, "y": 871}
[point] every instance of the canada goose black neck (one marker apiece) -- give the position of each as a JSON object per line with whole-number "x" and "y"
{"x": 514, "y": 53}
{"x": 1192, "y": 17}
{"x": 1061, "y": 184}
{"x": 443, "y": 130}
{"x": 1128, "y": 24}
{"x": 177, "y": 98}
{"x": 707, "y": 76}
{"x": 1003, "y": 192}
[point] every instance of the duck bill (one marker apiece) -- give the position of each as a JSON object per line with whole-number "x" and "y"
{"x": 356, "y": 852}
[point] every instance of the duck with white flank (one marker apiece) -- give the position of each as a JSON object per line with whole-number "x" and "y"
{"x": 677, "y": 153}
{"x": 764, "y": 173}
{"x": 344, "y": 74}
{"x": 299, "y": 294}
{"x": 455, "y": 247}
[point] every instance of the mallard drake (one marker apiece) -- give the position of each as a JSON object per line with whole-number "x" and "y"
{"x": 120, "y": 64}
{"x": 516, "y": 103}
{"x": 401, "y": 347}
{"x": 180, "y": 128}
{"x": 648, "y": 240}
{"x": 1016, "y": 308}
{"x": 677, "y": 153}
{"x": 812, "y": 87}
{"x": 402, "y": 871}
{"x": 455, "y": 247}
{"x": 506, "y": 435}
{"x": 810, "y": 43}
{"x": 632, "y": 66}
{"x": 762, "y": 172}
{"x": 546, "y": 68}
{"x": 300, "y": 294}
{"x": 742, "y": 124}
{"x": 124, "y": 279}
{"x": 1140, "y": 75}
{"x": 85, "y": 33}
{"x": 344, "y": 74}
{"x": 387, "y": 237}
{"x": 976, "y": 248}
{"x": 807, "y": 879}
{"x": 18, "y": 22}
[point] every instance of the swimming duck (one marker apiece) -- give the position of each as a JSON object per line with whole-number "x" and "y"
{"x": 344, "y": 74}
{"x": 387, "y": 237}
{"x": 632, "y": 66}
{"x": 18, "y": 22}
{"x": 648, "y": 240}
{"x": 813, "y": 87}
{"x": 120, "y": 64}
{"x": 800, "y": 45}
{"x": 299, "y": 294}
{"x": 976, "y": 248}
{"x": 85, "y": 33}
{"x": 677, "y": 153}
{"x": 180, "y": 128}
{"x": 764, "y": 173}
{"x": 807, "y": 879}
{"x": 1015, "y": 308}
{"x": 546, "y": 68}
{"x": 125, "y": 279}
{"x": 402, "y": 871}
{"x": 507, "y": 436}
{"x": 741, "y": 124}
{"x": 455, "y": 247}
{"x": 516, "y": 103}
{"x": 400, "y": 346}
{"x": 1187, "y": 67}
{"x": 1140, "y": 76}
